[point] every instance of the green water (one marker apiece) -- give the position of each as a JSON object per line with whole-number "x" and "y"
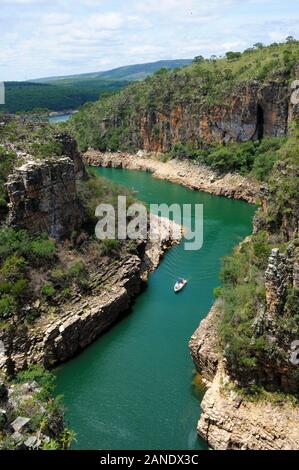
{"x": 132, "y": 389}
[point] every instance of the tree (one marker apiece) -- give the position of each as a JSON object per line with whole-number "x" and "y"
{"x": 290, "y": 40}
{"x": 198, "y": 59}
{"x": 162, "y": 71}
{"x": 258, "y": 45}
{"x": 233, "y": 55}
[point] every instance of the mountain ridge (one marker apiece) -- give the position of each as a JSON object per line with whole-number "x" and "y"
{"x": 121, "y": 73}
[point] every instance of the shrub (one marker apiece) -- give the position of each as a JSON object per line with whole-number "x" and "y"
{"x": 44, "y": 378}
{"x": 48, "y": 290}
{"x": 8, "y": 306}
{"x": 22, "y": 243}
{"x": 19, "y": 289}
{"x": 261, "y": 249}
{"x": 109, "y": 247}
{"x": 44, "y": 249}
{"x": 13, "y": 268}
{"x": 233, "y": 55}
{"x": 263, "y": 165}
{"x": 182, "y": 151}
{"x": 76, "y": 271}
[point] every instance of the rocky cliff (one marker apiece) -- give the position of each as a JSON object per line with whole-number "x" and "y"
{"x": 69, "y": 148}
{"x": 229, "y": 422}
{"x": 229, "y": 419}
{"x": 43, "y": 197}
{"x": 58, "y": 335}
{"x": 211, "y": 101}
{"x": 250, "y": 112}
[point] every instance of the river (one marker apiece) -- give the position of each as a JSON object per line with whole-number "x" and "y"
{"x": 60, "y": 118}
{"x": 135, "y": 387}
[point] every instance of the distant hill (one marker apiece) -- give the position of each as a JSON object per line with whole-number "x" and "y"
{"x": 70, "y": 92}
{"x": 27, "y": 96}
{"x": 127, "y": 73}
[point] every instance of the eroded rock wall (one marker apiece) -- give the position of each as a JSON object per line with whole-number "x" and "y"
{"x": 43, "y": 197}
{"x": 252, "y": 111}
{"x": 77, "y": 322}
{"x": 229, "y": 421}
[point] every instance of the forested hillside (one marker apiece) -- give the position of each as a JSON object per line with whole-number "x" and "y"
{"x": 240, "y": 97}
{"x": 65, "y": 93}
{"x": 26, "y": 96}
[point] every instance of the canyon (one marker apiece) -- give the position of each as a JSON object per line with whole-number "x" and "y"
{"x": 193, "y": 176}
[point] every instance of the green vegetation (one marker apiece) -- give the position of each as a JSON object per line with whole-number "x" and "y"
{"x": 60, "y": 96}
{"x": 97, "y": 189}
{"x": 35, "y": 137}
{"x": 256, "y": 158}
{"x": 7, "y": 160}
{"x": 45, "y": 413}
{"x": 65, "y": 93}
{"x": 126, "y": 73}
{"x": 36, "y": 273}
{"x": 246, "y": 340}
{"x": 20, "y": 253}
{"x": 114, "y": 123}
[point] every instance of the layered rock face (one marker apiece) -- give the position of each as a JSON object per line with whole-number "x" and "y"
{"x": 70, "y": 149}
{"x": 43, "y": 198}
{"x": 229, "y": 421}
{"x": 204, "y": 346}
{"x": 54, "y": 338}
{"x": 77, "y": 324}
{"x": 251, "y": 112}
{"x": 281, "y": 275}
{"x": 277, "y": 276}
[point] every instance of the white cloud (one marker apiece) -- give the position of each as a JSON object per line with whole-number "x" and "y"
{"x": 111, "y": 20}
{"x": 52, "y": 37}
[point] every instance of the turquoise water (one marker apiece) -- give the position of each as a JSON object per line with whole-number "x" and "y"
{"x": 133, "y": 388}
{"x": 60, "y": 118}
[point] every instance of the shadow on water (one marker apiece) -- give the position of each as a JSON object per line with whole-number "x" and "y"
{"x": 135, "y": 387}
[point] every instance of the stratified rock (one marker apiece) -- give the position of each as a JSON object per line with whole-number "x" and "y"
{"x": 70, "y": 149}
{"x": 250, "y": 111}
{"x": 56, "y": 338}
{"x": 277, "y": 281}
{"x": 43, "y": 198}
{"x": 20, "y": 423}
{"x": 248, "y": 426}
{"x": 204, "y": 344}
{"x": 31, "y": 442}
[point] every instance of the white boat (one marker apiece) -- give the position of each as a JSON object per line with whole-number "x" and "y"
{"x": 180, "y": 284}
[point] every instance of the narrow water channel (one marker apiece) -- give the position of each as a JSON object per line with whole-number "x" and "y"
{"x": 134, "y": 388}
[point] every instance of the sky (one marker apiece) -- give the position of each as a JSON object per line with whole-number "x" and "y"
{"x": 40, "y": 38}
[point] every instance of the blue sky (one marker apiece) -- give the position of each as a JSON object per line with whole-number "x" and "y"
{"x": 58, "y": 37}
